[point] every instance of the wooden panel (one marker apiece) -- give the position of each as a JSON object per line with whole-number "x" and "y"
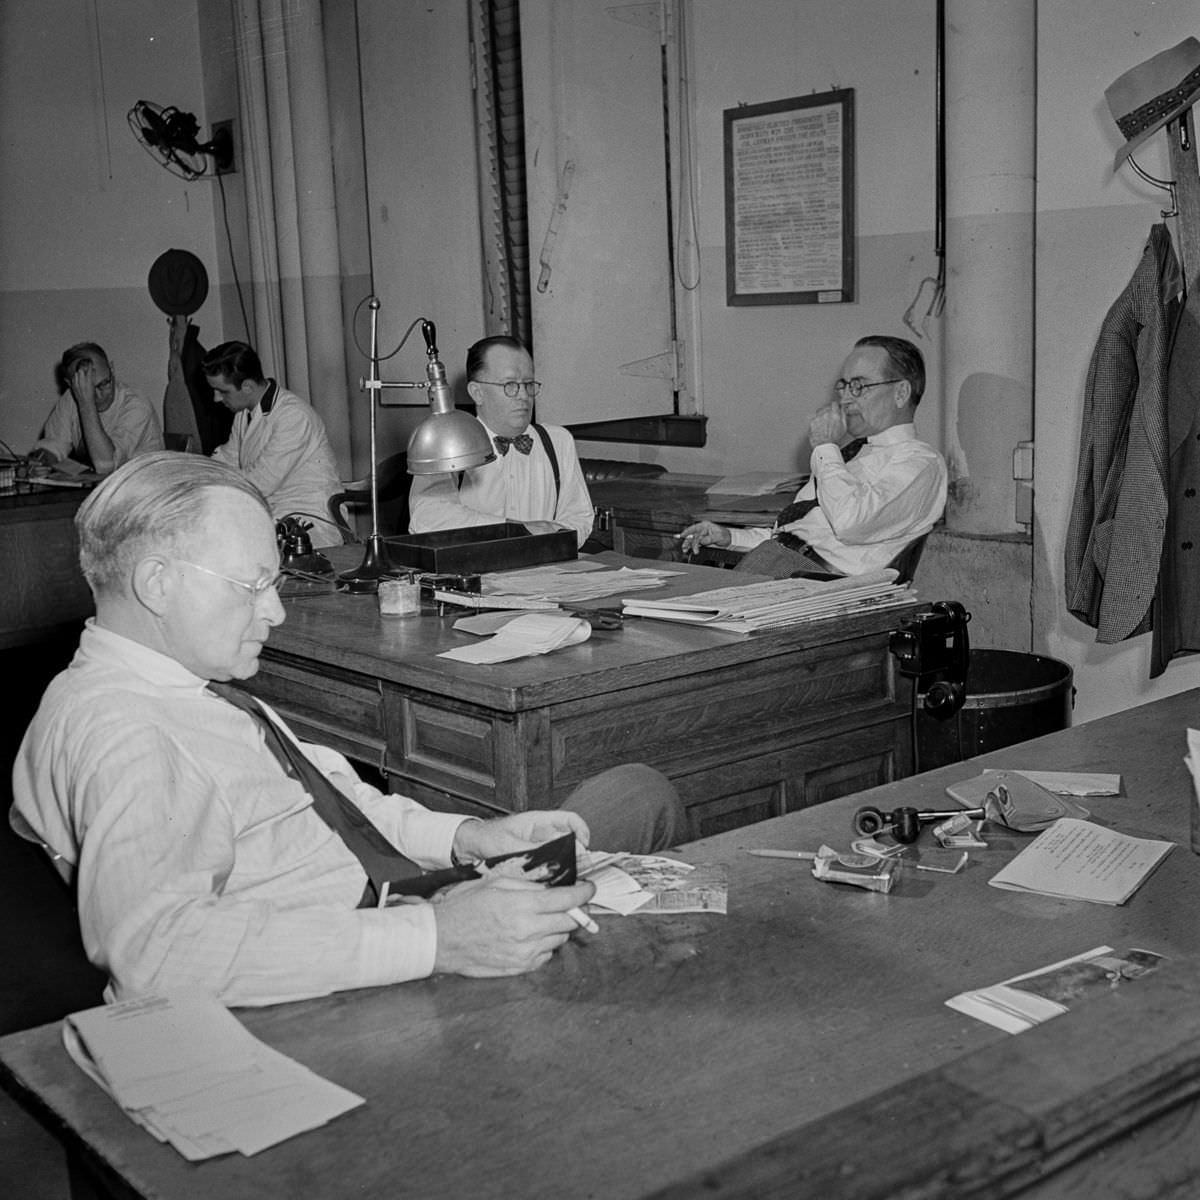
{"x": 43, "y": 588}
{"x": 337, "y": 708}
{"x": 715, "y": 717}
{"x": 812, "y": 772}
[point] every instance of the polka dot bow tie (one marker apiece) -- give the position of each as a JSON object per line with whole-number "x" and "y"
{"x": 522, "y": 443}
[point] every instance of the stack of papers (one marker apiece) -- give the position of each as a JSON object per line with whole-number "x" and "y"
{"x": 1079, "y": 860}
{"x": 756, "y": 483}
{"x": 572, "y": 582}
{"x": 186, "y": 1070}
{"x": 529, "y": 634}
{"x": 777, "y": 603}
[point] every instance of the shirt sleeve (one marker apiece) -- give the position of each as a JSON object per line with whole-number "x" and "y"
{"x": 434, "y": 503}
{"x": 133, "y": 428}
{"x": 164, "y": 902}
{"x": 867, "y": 501}
{"x": 61, "y": 432}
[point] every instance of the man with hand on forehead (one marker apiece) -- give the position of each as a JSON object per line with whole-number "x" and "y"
{"x": 209, "y": 848}
{"x": 535, "y": 478}
{"x": 874, "y": 486}
{"x": 97, "y": 420}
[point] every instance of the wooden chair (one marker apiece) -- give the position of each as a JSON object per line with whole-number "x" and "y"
{"x": 393, "y": 482}
{"x": 905, "y": 563}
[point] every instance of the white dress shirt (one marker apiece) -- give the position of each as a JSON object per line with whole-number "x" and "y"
{"x": 514, "y": 487}
{"x": 286, "y": 454}
{"x": 130, "y": 421}
{"x": 891, "y": 492}
{"x": 199, "y": 863}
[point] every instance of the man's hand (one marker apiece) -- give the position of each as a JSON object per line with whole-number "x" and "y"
{"x": 503, "y": 926}
{"x": 42, "y": 457}
{"x": 83, "y": 385}
{"x": 827, "y": 425}
{"x": 703, "y": 533}
{"x": 517, "y": 831}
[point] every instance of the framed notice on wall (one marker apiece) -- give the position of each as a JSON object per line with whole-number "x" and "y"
{"x": 789, "y": 200}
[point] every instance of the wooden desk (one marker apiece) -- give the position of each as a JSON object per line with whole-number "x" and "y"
{"x": 43, "y": 589}
{"x": 799, "y": 1046}
{"x": 748, "y": 728}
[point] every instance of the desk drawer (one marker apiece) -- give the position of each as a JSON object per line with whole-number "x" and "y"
{"x": 337, "y": 708}
{"x": 709, "y": 720}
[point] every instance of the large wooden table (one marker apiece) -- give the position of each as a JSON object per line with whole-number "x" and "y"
{"x": 43, "y": 590}
{"x": 798, "y": 1046}
{"x": 748, "y": 728}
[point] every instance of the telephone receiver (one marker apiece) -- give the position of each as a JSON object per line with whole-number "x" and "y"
{"x": 296, "y": 551}
{"x": 933, "y": 648}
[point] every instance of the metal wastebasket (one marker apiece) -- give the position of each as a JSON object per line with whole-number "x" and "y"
{"x": 1011, "y": 697}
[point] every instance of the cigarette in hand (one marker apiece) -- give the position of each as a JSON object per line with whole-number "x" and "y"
{"x": 583, "y": 920}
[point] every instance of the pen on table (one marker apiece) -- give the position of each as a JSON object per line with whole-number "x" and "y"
{"x": 583, "y": 920}
{"x": 808, "y": 855}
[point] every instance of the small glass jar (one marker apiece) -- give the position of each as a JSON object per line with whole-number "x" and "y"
{"x": 399, "y": 595}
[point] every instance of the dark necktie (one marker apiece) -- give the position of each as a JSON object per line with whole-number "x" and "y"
{"x": 801, "y": 508}
{"x": 381, "y": 860}
{"x": 522, "y": 443}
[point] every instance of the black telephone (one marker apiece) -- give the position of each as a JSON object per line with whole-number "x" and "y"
{"x": 933, "y": 649}
{"x": 296, "y": 551}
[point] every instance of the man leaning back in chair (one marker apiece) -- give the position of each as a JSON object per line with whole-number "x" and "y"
{"x": 874, "y": 486}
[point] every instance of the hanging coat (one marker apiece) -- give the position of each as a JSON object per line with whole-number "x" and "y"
{"x": 1177, "y": 601}
{"x": 1119, "y": 514}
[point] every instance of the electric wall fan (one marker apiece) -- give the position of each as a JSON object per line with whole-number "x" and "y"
{"x": 172, "y": 137}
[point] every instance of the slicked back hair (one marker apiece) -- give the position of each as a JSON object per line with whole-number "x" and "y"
{"x": 907, "y": 361}
{"x": 154, "y": 503}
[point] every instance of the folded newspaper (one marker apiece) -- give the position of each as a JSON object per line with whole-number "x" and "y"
{"x": 775, "y": 603}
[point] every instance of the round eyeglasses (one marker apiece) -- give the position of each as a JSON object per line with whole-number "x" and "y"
{"x": 256, "y": 590}
{"x": 512, "y": 387}
{"x": 857, "y": 386}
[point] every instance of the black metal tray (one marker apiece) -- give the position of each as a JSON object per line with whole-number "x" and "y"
{"x": 478, "y": 549}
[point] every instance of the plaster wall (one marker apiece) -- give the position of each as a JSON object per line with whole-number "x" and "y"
{"x": 84, "y": 210}
{"x": 1092, "y": 225}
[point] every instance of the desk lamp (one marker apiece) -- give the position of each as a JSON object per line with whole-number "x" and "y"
{"x": 447, "y": 440}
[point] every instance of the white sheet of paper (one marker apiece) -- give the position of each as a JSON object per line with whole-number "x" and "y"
{"x": 527, "y": 635}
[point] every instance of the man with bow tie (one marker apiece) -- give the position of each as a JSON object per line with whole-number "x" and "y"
{"x": 874, "y": 485}
{"x": 535, "y": 478}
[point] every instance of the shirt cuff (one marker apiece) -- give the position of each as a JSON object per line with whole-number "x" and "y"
{"x": 397, "y": 944}
{"x": 826, "y": 454}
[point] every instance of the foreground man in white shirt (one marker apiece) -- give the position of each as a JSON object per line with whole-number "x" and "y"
{"x": 861, "y": 512}
{"x": 199, "y": 863}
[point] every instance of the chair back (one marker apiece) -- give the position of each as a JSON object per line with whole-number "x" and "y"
{"x": 393, "y": 482}
{"x": 906, "y": 561}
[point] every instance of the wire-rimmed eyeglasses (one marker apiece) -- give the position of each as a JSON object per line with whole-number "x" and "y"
{"x": 857, "y": 386}
{"x": 512, "y": 387}
{"x": 256, "y": 590}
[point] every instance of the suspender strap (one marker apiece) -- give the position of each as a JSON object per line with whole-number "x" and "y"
{"x": 548, "y": 446}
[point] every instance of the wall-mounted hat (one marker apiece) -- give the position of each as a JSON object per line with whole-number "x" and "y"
{"x": 1143, "y": 100}
{"x": 178, "y": 283}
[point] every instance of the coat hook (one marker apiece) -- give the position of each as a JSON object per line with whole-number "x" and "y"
{"x": 1166, "y": 185}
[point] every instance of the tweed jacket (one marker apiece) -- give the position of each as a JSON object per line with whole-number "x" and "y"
{"x": 1119, "y": 514}
{"x": 1177, "y": 602}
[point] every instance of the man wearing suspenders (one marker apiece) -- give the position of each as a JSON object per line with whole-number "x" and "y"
{"x": 535, "y": 478}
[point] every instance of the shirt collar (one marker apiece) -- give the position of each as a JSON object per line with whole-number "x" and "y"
{"x": 893, "y": 434}
{"x": 104, "y": 647}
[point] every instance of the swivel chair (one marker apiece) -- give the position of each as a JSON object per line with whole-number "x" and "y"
{"x": 393, "y": 481}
